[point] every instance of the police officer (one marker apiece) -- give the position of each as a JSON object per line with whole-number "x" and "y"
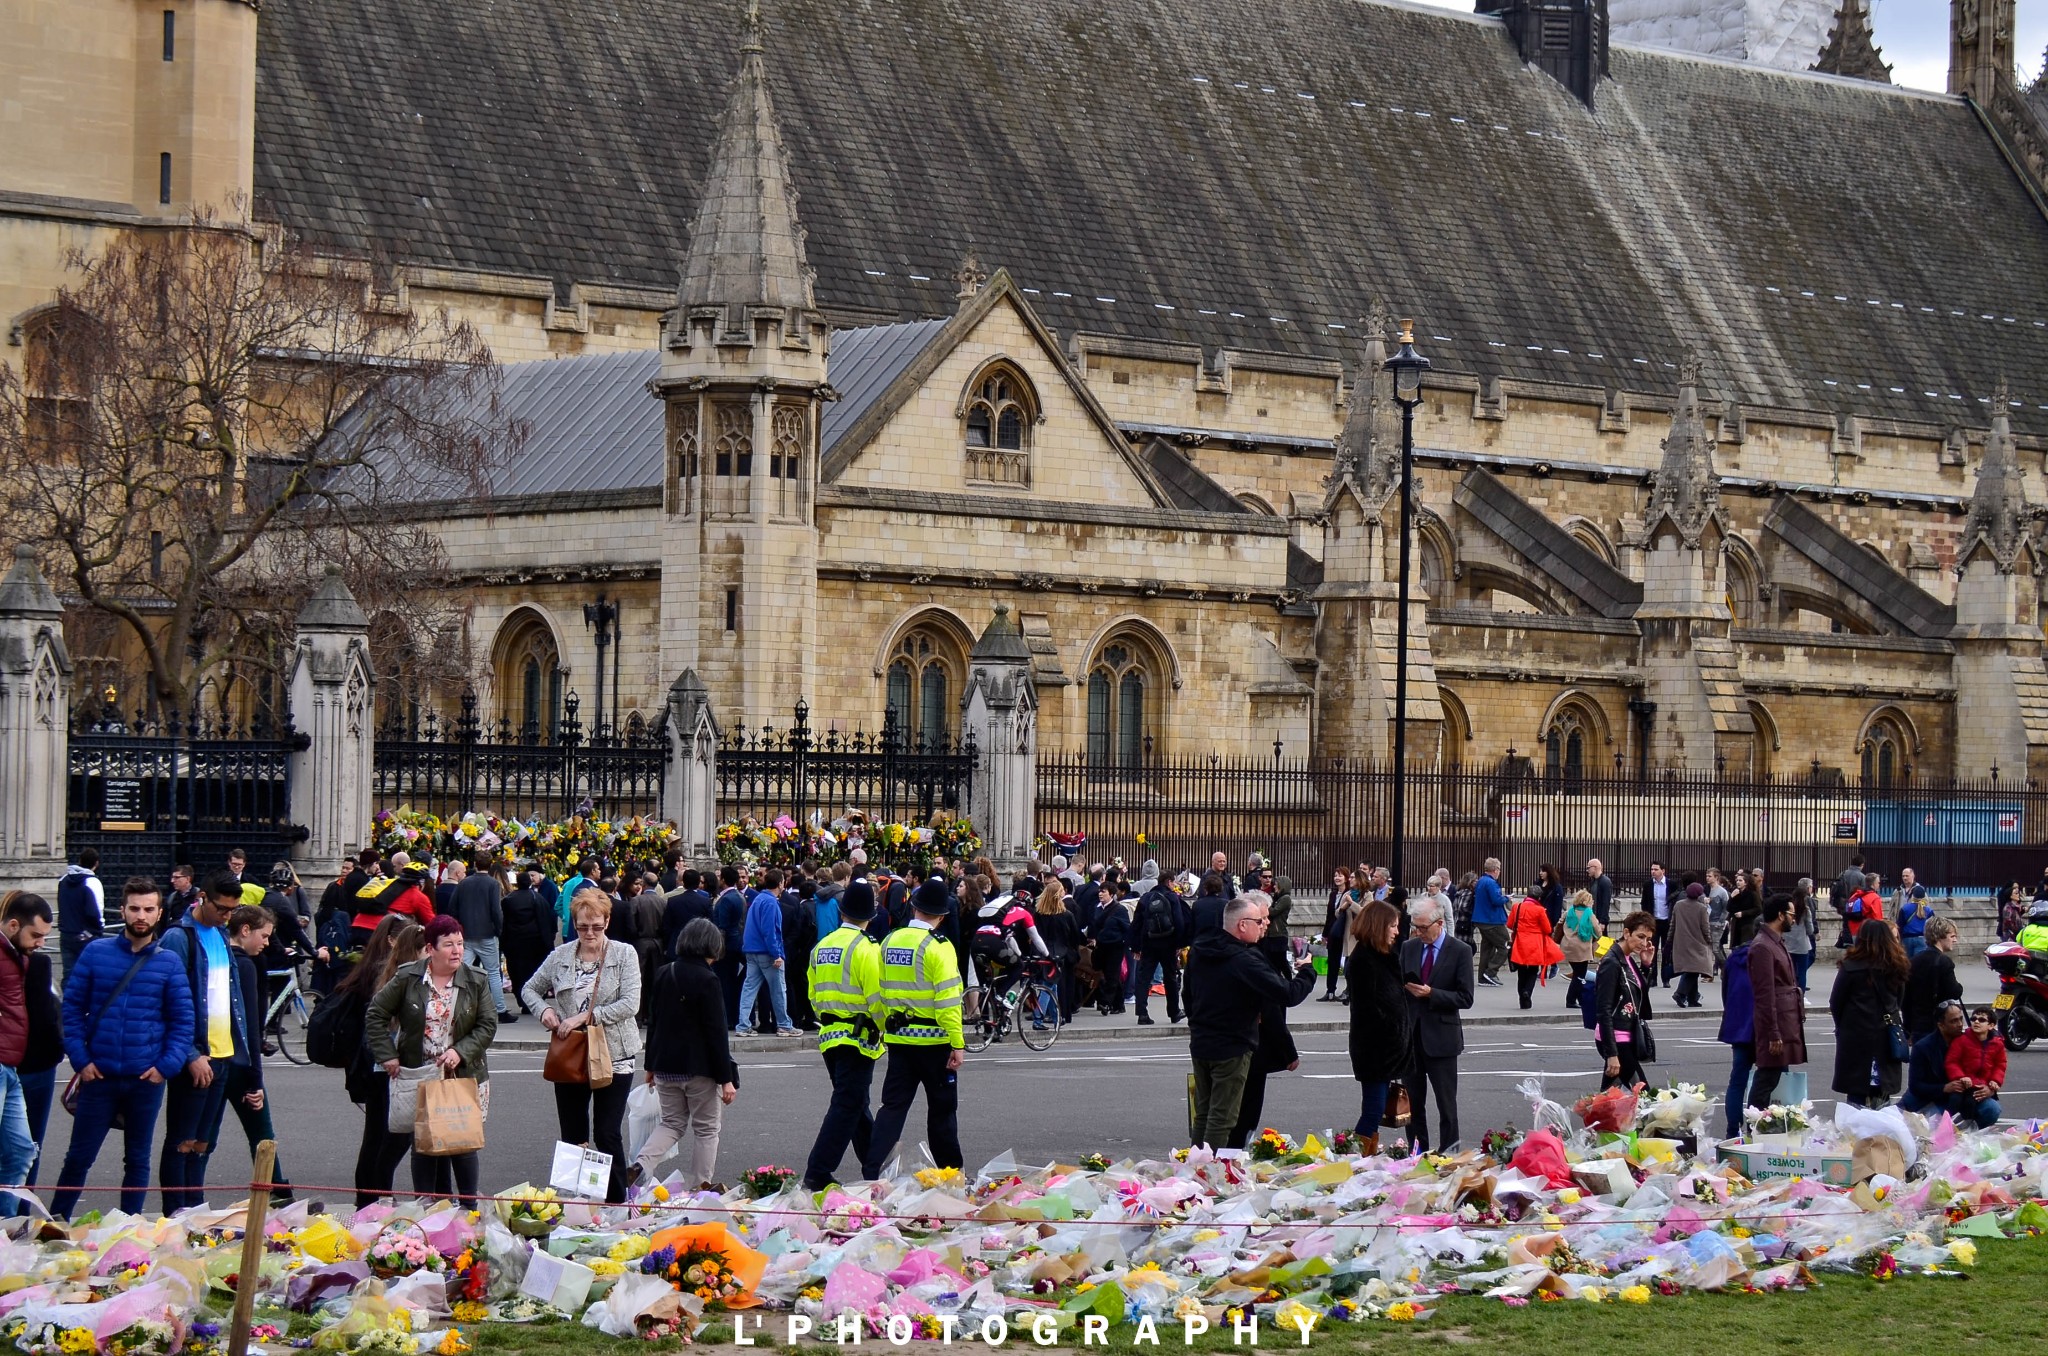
{"x": 846, "y": 991}
{"x": 920, "y": 997}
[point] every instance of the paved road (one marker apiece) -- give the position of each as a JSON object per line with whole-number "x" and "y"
{"x": 1115, "y": 1096}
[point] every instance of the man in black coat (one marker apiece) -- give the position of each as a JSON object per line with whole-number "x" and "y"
{"x": 528, "y": 932}
{"x": 1437, "y": 972}
{"x": 1228, "y": 985}
{"x": 691, "y": 900}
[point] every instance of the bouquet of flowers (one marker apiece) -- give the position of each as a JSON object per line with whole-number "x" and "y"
{"x": 701, "y": 1271}
{"x": 929, "y": 1178}
{"x": 1095, "y": 1162}
{"x": 765, "y": 1181}
{"x": 1613, "y": 1111}
{"x": 531, "y": 1211}
{"x": 1500, "y": 1145}
{"x": 1272, "y": 1147}
{"x": 144, "y": 1337}
{"x": 1778, "y": 1119}
{"x": 404, "y": 1249}
{"x": 1682, "y": 1108}
{"x": 411, "y": 831}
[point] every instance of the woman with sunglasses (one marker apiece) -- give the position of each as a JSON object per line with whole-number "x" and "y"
{"x": 593, "y": 981}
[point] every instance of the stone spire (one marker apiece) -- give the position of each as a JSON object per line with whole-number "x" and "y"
{"x": 1998, "y": 508}
{"x": 1687, "y": 493}
{"x": 746, "y": 245}
{"x": 1369, "y": 449}
{"x": 1852, "y": 47}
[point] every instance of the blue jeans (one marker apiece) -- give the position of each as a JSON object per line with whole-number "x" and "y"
{"x": 1372, "y": 1105}
{"x": 483, "y": 954}
{"x": 192, "y": 1116}
{"x": 1738, "y": 1084}
{"x": 17, "y": 1144}
{"x": 1966, "y": 1109}
{"x": 1802, "y": 963}
{"x": 761, "y": 970}
{"x": 99, "y": 1101}
{"x": 1914, "y": 944}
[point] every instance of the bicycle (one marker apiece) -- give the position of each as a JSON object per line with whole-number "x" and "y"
{"x": 290, "y": 1002}
{"x": 1038, "y": 1006}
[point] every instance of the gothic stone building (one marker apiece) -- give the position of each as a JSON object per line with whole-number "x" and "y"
{"x": 1739, "y": 374}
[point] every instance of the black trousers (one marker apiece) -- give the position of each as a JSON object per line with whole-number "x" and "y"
{"x": 912, "y": 1067}
{"x": 1168, "y": 962}
{"x": 1525, "y": 983}
{"x": 1631, "y": 1070}
{"x": 847, "y": 1119}
{"x": 1763, "y": 1086}
{"x": 521, "y": 960}
{"x": 1688, "y": 991}
{"x": 444, "y": 1174}
{"x": 378, "y": 1156}
{"x": 1571, "y": 994}
{"x": 1440, "y": 1075}
{"x": 1109, "y": 963}
{"x": 1664, "y": 949}
{"x": 577, "y": 1105}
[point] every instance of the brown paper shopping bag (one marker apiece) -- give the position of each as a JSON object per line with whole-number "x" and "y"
{"x": 450, "y": 1119}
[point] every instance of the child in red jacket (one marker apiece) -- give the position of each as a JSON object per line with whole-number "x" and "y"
{"x": 1977, "y": 1060}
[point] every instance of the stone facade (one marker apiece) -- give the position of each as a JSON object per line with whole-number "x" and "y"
{"x": 1650, "y": 574}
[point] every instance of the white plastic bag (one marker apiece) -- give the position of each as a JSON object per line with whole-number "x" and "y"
{"x": 643, "y": 1113}
{"x": 1885, "y": 1122}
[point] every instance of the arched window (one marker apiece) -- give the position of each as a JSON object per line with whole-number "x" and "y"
{"x": 1572, "y": 744}
{"x": 1886, "y": 752}
{"x": 921, "y": 687}
{"x": 55, "y": 359}
{"x": 787, "y": 460}
{"x": 732, "y": 459}
{"x": 1121, "y": 690}
{"x": 1764, "y": 742}
{"x": 684, "y": 468}
{"x": 530, "y": 677}
{"x": 998, "y": 415}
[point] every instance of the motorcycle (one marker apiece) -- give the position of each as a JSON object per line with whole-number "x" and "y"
{"x": 2022, "y": 1003}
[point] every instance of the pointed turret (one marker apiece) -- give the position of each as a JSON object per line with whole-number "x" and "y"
{"x": 1687, "y": 493}
{"x": 1851, "y": 47}
{"x": 1369, "y": 448}
{"x": 746, "y": 266}
{"x": 1998, "y": 509}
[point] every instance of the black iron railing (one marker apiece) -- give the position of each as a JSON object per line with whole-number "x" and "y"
{"x": 455, "y": 766}
{"x": 766, "y": 772}
{"x": 1316, "y": 815}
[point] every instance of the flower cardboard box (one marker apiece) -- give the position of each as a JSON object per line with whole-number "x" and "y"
{"x": 1786, "y": 1156}
{"x": 1604, "y": 1176}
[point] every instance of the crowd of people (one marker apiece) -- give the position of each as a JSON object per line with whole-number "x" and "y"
{"x": 649, "y": 974}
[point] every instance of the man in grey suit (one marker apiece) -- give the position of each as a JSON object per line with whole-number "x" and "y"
{"x": 1437, "y": 968}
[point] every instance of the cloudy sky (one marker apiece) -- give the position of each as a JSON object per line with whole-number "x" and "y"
{"x": 1913, "y": 35}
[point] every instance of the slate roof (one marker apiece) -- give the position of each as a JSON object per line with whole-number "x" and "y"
{"x": 862, "y": 364}
{"x": 1240, "y": 173}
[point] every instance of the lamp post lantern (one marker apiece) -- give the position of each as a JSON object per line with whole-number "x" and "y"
{"x": 1407, "y": 366}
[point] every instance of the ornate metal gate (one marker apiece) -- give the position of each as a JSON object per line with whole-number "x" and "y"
{"x": 151, "y": 793}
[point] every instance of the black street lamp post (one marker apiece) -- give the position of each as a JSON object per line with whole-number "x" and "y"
{"x": 1407, "y": 366}
{"x": 603, "y": 616}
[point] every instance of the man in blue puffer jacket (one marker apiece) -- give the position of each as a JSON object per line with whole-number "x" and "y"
{"x": 124, "y": 1045}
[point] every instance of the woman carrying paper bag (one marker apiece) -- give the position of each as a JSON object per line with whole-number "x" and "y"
{"x": 587, "y": 993}
{"x": 435, "y": 1014}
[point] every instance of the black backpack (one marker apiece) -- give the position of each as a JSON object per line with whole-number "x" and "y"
{"x": 1161, "y": 921}
{"x": 335, "y": 1031}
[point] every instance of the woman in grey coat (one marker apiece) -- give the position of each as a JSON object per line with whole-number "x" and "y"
{"x": 1692, "y": 945}
{"x": 593, "y": 980}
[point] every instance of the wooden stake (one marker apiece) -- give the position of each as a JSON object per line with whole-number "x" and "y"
{"x": 252, "y": 1248}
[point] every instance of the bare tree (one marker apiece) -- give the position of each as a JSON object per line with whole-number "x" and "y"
{"x": 203, "y": 421}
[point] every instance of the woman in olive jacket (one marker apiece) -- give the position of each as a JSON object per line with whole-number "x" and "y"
{"x": 1864, "y": 1003}
{"x": 437, "y": 1010}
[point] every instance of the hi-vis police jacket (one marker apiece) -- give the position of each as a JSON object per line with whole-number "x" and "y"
{"x": 921, "y": 988}
{"x": 846, "y": 990}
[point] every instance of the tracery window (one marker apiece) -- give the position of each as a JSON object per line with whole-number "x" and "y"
{"x": 53, "y": 371}
{"x": 732, "y": 459}
{"x": 921, "y": 688}
{"x": 787, "y": 469}
{"x": 530, "y": 677}
{"x": 1120, "y": 697}
{"x": 1567, "y": 747}
{"x": 1885, "y": 752}
{"x": 999, "y": 416}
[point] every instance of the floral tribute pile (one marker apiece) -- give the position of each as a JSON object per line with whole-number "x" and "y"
{"x": 1299, "y": 1233}
{"x": 557, "y": 848}
{"x": 911, "y": 848}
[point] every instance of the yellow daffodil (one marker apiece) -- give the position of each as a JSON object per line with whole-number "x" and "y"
{"x": 1403, "y": 1312}
{"x": 1636, "y": 1294}
{"x": 1963, "y": 1250}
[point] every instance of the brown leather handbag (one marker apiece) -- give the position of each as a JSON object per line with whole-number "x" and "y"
{"x": 568, "y": 1058}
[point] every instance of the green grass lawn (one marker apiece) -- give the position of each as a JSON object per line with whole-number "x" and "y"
{"x": 1999, "y": 1308}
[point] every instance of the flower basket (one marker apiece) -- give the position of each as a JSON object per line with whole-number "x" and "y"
{"x": 530, "y": 1228}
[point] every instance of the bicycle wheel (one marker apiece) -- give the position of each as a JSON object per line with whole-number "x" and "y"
{"x": 1038, "y": 1016}
{"x": 975, "y": 1018}
{"x": 290, "y": 1030}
